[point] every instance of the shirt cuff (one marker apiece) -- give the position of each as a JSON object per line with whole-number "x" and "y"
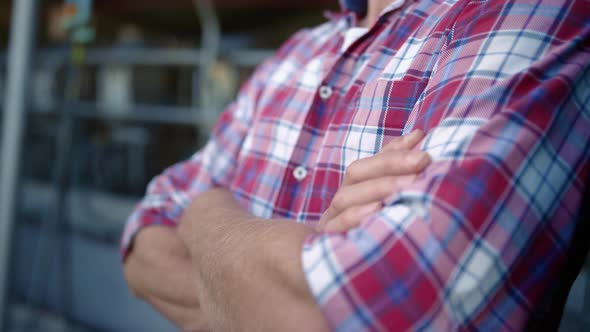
{"x": 138, "y": 220}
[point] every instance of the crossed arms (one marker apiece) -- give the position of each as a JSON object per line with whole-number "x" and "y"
{"x": 473, "y": 242}
{"x": 225, "y": 270}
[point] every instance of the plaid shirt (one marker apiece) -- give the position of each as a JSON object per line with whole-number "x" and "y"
{"x": 502, "y": 89}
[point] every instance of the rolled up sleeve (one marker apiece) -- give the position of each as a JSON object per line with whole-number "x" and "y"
{"x": 472, "y": 244}
{"x": 169, "y": 193}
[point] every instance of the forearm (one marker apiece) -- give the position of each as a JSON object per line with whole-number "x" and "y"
{"x": 159, "y": 271}
{"x": 248, "y": 270}
{"x": 159, "y": 265}
{"x": 187, "y": 319}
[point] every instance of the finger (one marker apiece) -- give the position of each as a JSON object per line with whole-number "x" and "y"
{"x": 351, "y": 217}
{"x": 405, "y": 142}
{"x": 386, "y": 163}
{"x": 365, "y": 192}
{"x": 328, "y": 215}
{"x": 325, "y": 217}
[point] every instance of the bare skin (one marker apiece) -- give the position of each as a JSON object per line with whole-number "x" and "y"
{"x": 184, "y": 285}
{"x": 248, "y": 270}
{"x": 367, "y": 182}
{"x": 159, "y": 271}
{"x": 375, "y": 7}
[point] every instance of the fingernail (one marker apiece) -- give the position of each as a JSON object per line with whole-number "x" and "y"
{"x": 417, "y": 158}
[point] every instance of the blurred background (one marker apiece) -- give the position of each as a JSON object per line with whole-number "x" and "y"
{"x": 96, "y": 98}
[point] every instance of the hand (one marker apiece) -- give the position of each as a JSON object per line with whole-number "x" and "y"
{"x": 159, "y": 271}
{"x": 367, "y": 182}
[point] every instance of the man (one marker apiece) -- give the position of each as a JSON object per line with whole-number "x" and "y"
{"x": 411, "y": 165}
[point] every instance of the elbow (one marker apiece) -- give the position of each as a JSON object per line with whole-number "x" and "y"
{"x": 131, "y": 272}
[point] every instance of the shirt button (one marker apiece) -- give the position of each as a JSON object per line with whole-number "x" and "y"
{"x": 325, "y": 92}
{"x": 299, "y": 173}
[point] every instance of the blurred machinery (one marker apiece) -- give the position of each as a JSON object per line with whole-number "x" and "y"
{"x": 102, "y": 122}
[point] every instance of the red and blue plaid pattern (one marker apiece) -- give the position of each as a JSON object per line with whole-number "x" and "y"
{"x": 502, "y": 89}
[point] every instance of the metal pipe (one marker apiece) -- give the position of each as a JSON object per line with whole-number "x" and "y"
{"x": 210, "y": 41}
{"x": 22, "y": 34}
